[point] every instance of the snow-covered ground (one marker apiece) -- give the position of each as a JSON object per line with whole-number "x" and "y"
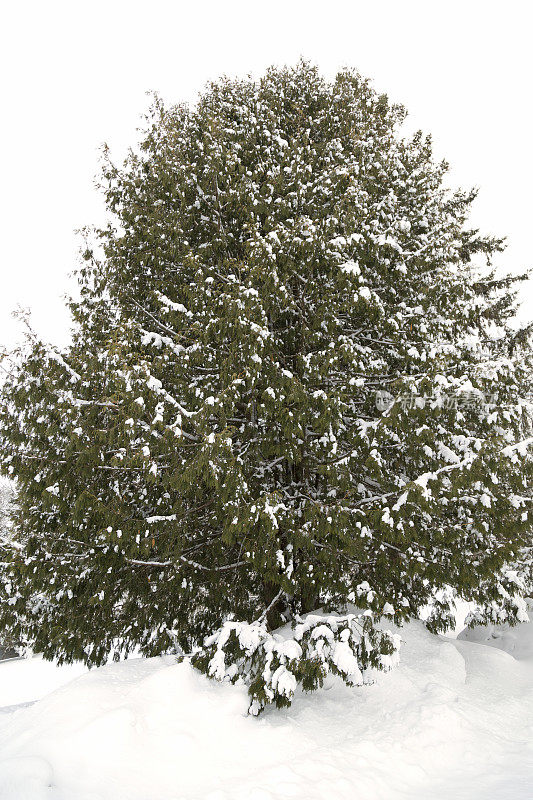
{"x": 454, "y": 720}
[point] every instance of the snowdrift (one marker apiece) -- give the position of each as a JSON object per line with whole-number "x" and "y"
{"x": 455, "y": 719}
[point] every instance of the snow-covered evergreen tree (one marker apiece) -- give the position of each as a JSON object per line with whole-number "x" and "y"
{"x": 292, "y": 384}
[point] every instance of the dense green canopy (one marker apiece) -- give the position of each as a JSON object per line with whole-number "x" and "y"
{"x": 292, "y": 383}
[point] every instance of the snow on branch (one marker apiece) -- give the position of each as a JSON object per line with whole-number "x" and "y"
{"x": 273, "y": 665}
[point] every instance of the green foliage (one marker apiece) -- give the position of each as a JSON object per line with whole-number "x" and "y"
{"x": 209, "y": 446}
{"x": 274, "y": 665}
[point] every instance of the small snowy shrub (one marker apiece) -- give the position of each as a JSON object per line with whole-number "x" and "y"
{"x": 273, "y": 666}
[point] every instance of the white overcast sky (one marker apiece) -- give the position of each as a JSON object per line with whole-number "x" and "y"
{"x": 75, "y": 74}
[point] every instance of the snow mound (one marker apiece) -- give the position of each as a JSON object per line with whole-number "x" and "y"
{"x": 517, "y": 641}
{"x": 24, "y": 679}
{"x": 453, "y": 720}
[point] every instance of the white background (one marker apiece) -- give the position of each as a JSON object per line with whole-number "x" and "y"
{"x": 75, "y": 75}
